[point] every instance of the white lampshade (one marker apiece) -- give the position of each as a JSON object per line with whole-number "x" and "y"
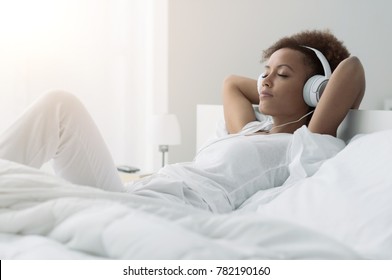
{"x": 165, "y": 129}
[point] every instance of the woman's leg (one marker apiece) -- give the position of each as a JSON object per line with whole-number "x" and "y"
{"x": 58, "y": 127}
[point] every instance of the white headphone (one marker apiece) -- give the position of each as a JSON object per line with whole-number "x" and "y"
{"x": 315, "y": 85}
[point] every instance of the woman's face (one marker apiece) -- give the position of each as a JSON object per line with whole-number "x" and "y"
{"x": 284, "y": 78}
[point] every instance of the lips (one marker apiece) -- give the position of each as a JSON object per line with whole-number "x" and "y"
{"x": 265, "y": 94}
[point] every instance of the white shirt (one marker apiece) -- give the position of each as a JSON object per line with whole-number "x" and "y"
{"x": 225, "y": 172}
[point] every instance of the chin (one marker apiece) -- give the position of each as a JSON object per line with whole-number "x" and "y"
{"x": 264, "y": 110}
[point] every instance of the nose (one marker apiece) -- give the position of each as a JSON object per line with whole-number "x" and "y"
{"x": 266, "y": 82}
{"x": 263, "y": 81}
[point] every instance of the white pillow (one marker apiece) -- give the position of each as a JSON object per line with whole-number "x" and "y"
{"x": 349, "y": 198}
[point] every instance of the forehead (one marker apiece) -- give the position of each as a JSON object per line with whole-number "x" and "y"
{"x": 285, "y": 56}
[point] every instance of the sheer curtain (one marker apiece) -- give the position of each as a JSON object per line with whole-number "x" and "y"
{"x": 110, "y": 53}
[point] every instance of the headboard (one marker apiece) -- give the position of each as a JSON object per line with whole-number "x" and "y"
{"x": 356, "y": 122}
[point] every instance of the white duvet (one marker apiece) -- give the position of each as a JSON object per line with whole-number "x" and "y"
{"x": 331, "y": 207}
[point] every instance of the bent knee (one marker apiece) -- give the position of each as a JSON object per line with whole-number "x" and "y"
{"x": 53, "y": 98}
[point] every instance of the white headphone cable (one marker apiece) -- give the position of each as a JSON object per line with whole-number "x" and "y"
{"x": 301, "y": 118}
{"x": 238, "y": 134}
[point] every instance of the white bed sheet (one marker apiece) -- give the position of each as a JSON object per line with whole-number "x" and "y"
{"x": 335, "y": 208}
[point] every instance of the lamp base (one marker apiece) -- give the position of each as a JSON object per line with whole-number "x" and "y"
{"x": 163, "y": 149}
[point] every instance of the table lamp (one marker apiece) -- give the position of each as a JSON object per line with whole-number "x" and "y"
{"x": 166, "y": 132}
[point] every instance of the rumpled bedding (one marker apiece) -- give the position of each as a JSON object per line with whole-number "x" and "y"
{"x": 335, "y": 205}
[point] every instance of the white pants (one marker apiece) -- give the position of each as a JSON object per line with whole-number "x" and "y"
{"x": 58, "y": 127}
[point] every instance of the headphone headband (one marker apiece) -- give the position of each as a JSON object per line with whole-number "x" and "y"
{"x": 323, "y": 60}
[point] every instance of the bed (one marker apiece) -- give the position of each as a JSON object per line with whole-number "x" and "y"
{"x": 333, "y": 207}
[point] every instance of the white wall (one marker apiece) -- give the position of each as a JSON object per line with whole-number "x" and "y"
{"x": 210, "y": 39}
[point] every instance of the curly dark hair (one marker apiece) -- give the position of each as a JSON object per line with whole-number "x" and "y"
{"x": 332, "y": 48}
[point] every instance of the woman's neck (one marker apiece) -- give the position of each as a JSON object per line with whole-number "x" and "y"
{"x": 289, "y": 126}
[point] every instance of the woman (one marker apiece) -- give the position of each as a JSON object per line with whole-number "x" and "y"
{"x": 225, "y": 172}
{"x": 289, "y": 66}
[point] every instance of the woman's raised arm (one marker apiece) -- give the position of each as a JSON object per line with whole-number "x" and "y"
{"x": 239, "y": 93}
{"x": 344, "y": 91}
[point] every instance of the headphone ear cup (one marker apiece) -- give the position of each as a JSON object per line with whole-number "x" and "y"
{"x": 313, "y": 89}
{"x": 259, "y": 83}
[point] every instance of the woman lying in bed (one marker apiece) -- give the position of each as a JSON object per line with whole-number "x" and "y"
{"x": 254, "y": 156}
